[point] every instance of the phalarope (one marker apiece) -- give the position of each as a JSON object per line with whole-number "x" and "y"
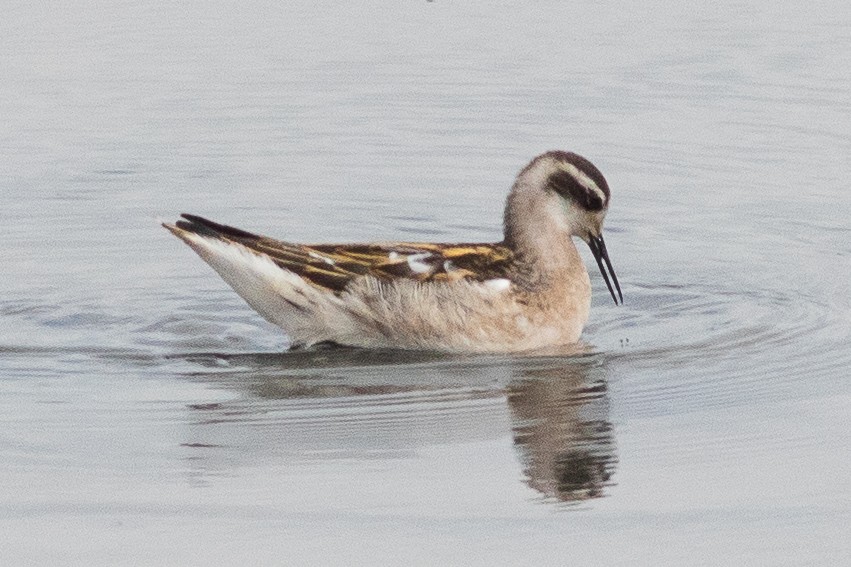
{"x": 528, "y": 292}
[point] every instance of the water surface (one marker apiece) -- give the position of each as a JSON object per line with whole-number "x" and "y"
{"x": 149, "y": 417}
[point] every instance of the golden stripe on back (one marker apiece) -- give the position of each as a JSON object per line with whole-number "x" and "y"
{"x": 333, "y": 266}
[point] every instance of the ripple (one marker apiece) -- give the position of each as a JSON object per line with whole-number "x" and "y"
{"x": 710, "y": 347}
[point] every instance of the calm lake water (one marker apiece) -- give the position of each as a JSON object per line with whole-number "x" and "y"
{"x": 148, "y": 416}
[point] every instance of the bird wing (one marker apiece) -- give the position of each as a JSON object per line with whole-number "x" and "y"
{"x": 333, "y": 266}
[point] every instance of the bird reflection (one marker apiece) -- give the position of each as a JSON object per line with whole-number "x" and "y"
{"x": 561, "y": 430}
{"x": 347, "y": 401}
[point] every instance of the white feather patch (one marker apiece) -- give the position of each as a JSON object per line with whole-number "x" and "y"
{"x": 498, "y": 284}
{"x": 415, "y": 262}
{"x": 321, "y": 257}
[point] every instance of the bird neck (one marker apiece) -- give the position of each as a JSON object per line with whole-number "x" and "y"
{"x": 544, "y": 252}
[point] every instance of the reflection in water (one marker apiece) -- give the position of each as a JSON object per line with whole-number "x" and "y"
{"x": 345, "y": 403}
{"x": 561, "y": 429}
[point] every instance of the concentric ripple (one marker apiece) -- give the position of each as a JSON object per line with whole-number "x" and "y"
{"x": 708, "y": 346}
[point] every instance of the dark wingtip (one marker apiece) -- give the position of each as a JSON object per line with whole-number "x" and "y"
{"x": 201, "y": 225}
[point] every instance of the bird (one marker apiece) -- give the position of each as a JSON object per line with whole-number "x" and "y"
{"x": 528, "y": 292}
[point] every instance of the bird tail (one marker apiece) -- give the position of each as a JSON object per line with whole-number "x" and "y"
{"x": 279, "y": 295}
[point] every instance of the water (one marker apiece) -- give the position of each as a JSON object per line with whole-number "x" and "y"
{"x": 149, "y": 417}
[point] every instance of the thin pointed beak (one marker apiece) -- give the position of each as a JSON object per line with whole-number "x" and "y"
{"x": 598, "y": 248}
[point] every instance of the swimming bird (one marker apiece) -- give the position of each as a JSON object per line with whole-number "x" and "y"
{"x": 528, "y": 292}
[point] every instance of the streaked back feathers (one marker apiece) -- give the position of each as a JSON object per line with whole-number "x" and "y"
{"x": 334, "y": 266}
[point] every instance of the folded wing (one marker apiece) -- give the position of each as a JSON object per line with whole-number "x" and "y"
{"x": 333, "y": 266}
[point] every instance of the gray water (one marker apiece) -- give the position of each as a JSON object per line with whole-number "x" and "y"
{"x": 148, "y": 416}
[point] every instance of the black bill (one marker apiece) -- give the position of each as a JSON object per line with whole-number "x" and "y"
{"x": 598, "y": 248}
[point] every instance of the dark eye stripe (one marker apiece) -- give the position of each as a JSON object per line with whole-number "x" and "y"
{"x": 568, "y": 187}
{"x": 590, "y": 170}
